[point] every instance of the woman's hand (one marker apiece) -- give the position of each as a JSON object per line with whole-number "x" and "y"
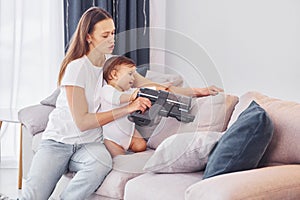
{"x": 140, "y": 103}
{"x": 211, "y": 90}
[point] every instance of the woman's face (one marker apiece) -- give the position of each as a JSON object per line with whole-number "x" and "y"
{"x": 102, "y": 38}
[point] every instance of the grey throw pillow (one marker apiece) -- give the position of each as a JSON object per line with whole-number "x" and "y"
{"x": 51, "y": 100}
{"x": 35, "y": 118}
{"x": 243, "y": 144}
{"x": 142, "y": 70}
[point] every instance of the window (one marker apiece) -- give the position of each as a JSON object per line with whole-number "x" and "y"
{"x": 31, "y": 50}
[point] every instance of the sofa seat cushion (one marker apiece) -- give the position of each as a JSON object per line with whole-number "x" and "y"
{"x": 125, "y": 167}
{"x": 36, "y": 139}
{"x": 285, "y": 115}
{"x": 160, "y": 186}
{"x": 276, "y": 183}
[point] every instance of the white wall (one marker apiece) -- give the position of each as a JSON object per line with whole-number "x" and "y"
{"x": 157, "y": 21}
{"x": 254, "y": 45}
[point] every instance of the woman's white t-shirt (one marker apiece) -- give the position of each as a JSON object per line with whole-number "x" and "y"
{"x": 61, "y": 126}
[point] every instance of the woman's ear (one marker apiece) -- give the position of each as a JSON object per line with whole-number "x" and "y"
{"x": 88, "y": 38}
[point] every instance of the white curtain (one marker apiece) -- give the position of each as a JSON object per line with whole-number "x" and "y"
{"x": 31, "y": 50}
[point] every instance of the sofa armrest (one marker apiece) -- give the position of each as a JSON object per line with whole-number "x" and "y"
{"x": 277, "y": 182}
{"x": 35, "y": 118}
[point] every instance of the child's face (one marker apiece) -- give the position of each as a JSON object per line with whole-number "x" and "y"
{"x": 125, "y": 76}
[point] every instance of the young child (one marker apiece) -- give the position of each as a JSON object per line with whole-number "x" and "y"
{"x": 120, "y": 134}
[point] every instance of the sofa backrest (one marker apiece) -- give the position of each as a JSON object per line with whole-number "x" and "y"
{"x": 285, "y": 115}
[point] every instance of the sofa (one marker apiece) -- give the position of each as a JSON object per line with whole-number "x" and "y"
{"x": 172, "y": 167}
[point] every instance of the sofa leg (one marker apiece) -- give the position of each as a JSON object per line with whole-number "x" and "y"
{"x": 20, "y": 161}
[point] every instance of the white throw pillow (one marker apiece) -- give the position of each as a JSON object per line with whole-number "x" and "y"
{"x": 185, "y": 152}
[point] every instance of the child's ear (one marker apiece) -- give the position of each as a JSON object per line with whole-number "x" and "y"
{"x": 114, "y": 74}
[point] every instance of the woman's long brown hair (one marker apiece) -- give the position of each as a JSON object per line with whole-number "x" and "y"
{"x": 78, "y": 44}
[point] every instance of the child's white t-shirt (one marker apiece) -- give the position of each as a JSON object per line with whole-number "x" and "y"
{"x": 120, "y": 130}
{"x": 61, "y": 126}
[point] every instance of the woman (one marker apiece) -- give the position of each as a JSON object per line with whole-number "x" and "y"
{"x": 72, "y": 140}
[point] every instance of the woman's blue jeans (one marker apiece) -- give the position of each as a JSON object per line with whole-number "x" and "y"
{"x": 91, "y": 162}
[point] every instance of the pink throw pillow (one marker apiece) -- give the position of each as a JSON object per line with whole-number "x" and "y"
{"x": 212, "y": 113}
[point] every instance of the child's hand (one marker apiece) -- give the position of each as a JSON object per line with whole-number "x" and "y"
{"x": 134, "y": 94}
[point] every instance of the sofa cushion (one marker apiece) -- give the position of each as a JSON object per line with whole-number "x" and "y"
{"x": 186, "y": 152}
{"x": 276, "y": 183}
{"x": 142, "y": 70}
{"x": 160, "y": 186}
{"x": 36, "y": 142}
{"x": 285, "y": 115}
{"x": 165, "y": 79}
{"x": 125, "y": 167}
{"x": 243, "y": 144}
{"x": 35, "y": 118}
{"x": 51, "y": 100}
{"x": 212, "y": 113}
